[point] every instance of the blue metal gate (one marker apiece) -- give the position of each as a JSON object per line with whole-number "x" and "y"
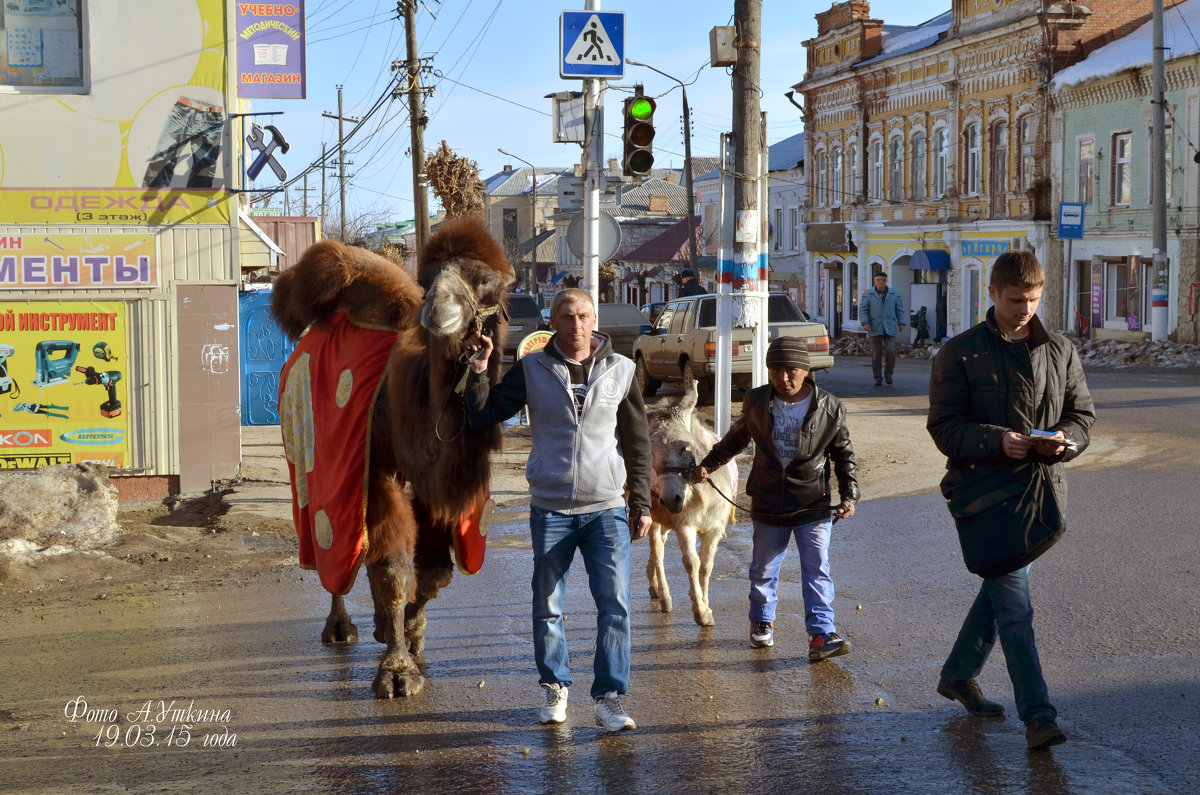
{"x": 264, "y": 349}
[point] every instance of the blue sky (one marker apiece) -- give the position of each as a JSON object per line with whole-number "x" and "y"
{"x": 494, "y": 62}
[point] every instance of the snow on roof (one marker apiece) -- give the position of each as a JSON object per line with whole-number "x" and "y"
{"x": 1181, "y": 27}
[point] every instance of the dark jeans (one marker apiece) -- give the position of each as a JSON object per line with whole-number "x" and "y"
{"x": 883, "y": 356}
{"x": 193, "y": 127}
{"x": 1003, "y": 609}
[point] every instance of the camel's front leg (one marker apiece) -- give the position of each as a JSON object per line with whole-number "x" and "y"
{"x": 691, "y": 562}
{"x": 338, "y": 626}
{"x": 655, "y": 571}
{"x": 398, "y": 673}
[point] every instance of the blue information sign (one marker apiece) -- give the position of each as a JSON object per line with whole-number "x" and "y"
{"x": 591, "y": 44}
{"x": 1070, "y": 220}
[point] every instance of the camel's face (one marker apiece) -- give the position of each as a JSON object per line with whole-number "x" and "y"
{"x": 467, "y": 296}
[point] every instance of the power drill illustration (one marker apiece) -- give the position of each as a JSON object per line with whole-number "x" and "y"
{"x": 107, "y": 379}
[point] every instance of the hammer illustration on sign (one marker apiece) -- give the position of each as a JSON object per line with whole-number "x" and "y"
{"x": 265, "y": 151}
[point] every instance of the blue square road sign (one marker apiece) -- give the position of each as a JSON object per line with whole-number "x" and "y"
{"x": 591, "y": 44}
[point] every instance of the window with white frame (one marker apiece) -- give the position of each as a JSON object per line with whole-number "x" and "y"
{"x": 917, "y": 180}
{"x": 852, "y": 188}
{"x": 999, "y": 175}
{"x": 794, "y": 228}
{"x": 777, "y": 229}
{"x": 1085, "y": 170}
{"x": 1150, "y": 167}
{"x": 896, "y": 171}
{"x": 1025, "y": 140}
{"x": 1122, "y": 174}
{"x": 876, "y": 170}
{"x": 941, "y": 162}
{"x": 974, "y": 160}
{"x": 836, "y": 181}
{"x": 822, "y": 197}
{"x": 44, "y": 47}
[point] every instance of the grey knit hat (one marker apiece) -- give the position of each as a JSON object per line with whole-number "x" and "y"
{"x": 788, "y": 352}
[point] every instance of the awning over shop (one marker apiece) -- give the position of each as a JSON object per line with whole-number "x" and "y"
{"x": 930, "y": 259}
{"x": 256, "y": 250}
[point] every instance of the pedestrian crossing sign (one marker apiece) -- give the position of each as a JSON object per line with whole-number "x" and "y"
{"x": 592, "y": 44}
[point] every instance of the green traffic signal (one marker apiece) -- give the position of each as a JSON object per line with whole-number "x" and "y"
{"x": 641, "y": 108}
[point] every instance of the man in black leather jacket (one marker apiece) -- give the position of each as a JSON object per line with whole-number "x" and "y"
{"x": 799, "y": 430}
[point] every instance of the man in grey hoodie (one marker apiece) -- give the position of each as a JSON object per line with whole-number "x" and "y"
{"x": 590, "y": 442}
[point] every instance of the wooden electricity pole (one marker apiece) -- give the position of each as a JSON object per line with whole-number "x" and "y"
{"x": 416, "y": 124}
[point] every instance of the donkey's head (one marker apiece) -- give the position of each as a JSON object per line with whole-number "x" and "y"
{"x": 678, "y": 443}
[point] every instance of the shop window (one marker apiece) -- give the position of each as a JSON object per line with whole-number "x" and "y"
{"x": 42, "y": 48}
{"x": 854, "y": 289}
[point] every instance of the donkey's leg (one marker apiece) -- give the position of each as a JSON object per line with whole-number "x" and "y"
{"x": 691, "y": 562}
{"x": 709, "y": 541}
{"x": 398, "y": 673}
{"x": 655, "y": 571}
{"x": 338, "y": 626}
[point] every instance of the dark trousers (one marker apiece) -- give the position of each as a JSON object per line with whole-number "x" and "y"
{"x": 883, "y": 357}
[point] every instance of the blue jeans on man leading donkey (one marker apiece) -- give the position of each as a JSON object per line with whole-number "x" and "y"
{"x": 602, "y": 538}
{"x": 1003, "y": 609}
{"x": 770, "y": 548}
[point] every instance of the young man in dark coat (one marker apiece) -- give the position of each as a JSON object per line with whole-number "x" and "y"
{"x": 990, "y": 387}
{"x": 798, "y": 431}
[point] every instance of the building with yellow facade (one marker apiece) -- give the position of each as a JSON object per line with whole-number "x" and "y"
{"x": 928, "y": 149}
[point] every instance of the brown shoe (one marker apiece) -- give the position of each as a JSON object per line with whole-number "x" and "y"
{"x": 1043, "y": 733}
{"x": 968, "y": 693}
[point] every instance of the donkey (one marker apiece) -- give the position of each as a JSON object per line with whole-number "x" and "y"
{"x": 679, "y": 440}
{"x": 400, "y": 488}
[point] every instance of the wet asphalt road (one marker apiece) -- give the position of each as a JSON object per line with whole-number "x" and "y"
{"x": 1118, "y": 622}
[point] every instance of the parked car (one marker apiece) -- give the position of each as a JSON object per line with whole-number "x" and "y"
{"x": 652, "y": 310}
{"x": 524, "y": 316}
{"x": 682, "y": 343}
{"x": 623, "y": 324}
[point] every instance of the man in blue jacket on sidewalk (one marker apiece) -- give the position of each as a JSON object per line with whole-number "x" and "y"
{"x": 881, "y": 312}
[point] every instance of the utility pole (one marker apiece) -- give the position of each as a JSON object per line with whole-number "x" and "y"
{"x": 416, "y": 123}
{"x": 1158, "y": 186}
{"x": 322, "y": 188}
{"x": 747, "y": 276}
{"x": 341, "y": 118}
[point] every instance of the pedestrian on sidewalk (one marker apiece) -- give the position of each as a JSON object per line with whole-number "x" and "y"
{"x": 881, "y": 312}
{"x": 798, "y": 431}
{"x": 991, "y": 388}
{"x": 590, "y": 441}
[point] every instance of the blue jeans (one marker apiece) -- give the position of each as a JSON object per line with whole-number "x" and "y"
{"x": 770, "y": 548}
{"x": 1003, "y": 608}
{"x": 603, "y": 540}
{"x": 190, "y": 126}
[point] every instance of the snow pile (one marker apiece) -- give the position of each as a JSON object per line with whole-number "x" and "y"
{"x": 57, "y": 509}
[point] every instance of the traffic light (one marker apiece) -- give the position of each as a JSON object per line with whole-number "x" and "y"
{"x": 639, "y": 135}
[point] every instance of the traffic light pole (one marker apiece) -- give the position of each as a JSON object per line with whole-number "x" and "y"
{"x": 593, "y": 157}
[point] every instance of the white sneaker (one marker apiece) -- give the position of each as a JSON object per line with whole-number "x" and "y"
{"x": 611, "y": 715}
{"x": 555, "y": 709}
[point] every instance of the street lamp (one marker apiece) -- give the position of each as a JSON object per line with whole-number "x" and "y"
{"x": 693, "y": 257}
{"x": 531, "y": 272}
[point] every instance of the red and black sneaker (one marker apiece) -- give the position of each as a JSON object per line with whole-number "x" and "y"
{"x": 828, "y": 644}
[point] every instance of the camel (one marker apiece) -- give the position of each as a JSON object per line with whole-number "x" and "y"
{"x": 679, "y": 440}
{"x": 421, "y": 469}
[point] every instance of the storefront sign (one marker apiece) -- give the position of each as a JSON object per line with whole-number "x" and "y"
{"x": 63, "y": 378}
{"x": 270, "y": 50}
{"x": 983, "y": 248}
{"x": 77, "y": 262}
{"x": 827, "y": 237}
{"x": 1070, "y": 220}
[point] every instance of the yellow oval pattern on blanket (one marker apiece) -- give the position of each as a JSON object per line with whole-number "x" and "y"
{"x": 323, "y": 530}
{"x": 344, "y": 388}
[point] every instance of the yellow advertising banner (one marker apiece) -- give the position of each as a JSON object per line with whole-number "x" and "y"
{"x": 131, "y": 206}
{"x": 62, "y": 370}
{"x": 77, "y": 262}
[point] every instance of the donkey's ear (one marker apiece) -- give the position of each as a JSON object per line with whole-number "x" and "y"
{"x": 688, "y": 401}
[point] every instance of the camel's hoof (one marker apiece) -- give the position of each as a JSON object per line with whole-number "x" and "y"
{"x": 416, "y": 645}
{"x": 396, "y": 684}
{"x": 339, "y": 632}
{"x": 704, "y": 617}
